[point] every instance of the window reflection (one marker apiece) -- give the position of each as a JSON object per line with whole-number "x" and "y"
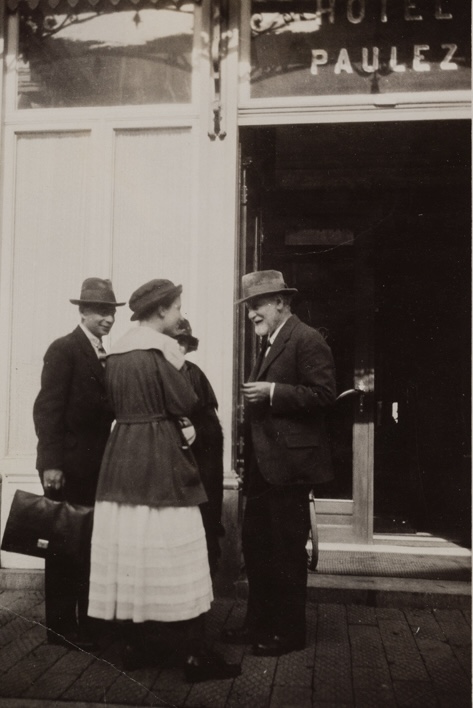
{"x": 105, "y": 58}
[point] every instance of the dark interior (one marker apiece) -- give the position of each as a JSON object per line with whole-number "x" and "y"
{"x": 371, "y": 222}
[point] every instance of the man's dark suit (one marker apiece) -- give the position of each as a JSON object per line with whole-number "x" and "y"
{"x": 72, "y": 419}
{"x": 289, "y": 455}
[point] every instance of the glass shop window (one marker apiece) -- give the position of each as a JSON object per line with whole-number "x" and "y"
{"x": 312, "y": 48}
{"x": 105, "y": 57}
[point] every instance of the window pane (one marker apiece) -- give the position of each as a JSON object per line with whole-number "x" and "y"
{"x": 99, "y": 58}
{"x": 308, "y": 48}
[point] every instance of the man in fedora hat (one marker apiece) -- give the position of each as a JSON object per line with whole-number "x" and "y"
{"x": 290, "y": 387}
{"x": 72, "y": 419}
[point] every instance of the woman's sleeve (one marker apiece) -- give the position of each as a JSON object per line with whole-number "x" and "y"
{"x": 180, "y": 398}
{"x": 202, "y": 386}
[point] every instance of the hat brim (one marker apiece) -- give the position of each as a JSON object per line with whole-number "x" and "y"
{"x": 283, "y": 291}
{"x": 97, "y": 302}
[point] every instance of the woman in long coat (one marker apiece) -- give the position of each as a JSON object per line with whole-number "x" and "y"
{"x": 149, "y": 558}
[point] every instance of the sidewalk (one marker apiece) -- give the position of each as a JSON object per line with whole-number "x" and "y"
{"x": 356, "y": 655}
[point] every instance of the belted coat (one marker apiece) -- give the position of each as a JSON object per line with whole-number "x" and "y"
{"x": 146, "y": 460}
{"x": 288, "y": 435}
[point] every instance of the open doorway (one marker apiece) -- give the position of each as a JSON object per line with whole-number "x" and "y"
{"x": 371, "y": 222}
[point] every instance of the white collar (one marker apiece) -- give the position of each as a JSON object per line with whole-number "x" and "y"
{"x": 273, "y": 336}
{"x": 143, "y": 337}
{"x": 95, "y": 341}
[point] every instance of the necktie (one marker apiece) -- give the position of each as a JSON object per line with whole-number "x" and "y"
{"x": 102, "y": 354}
{"x": 263, "y": 351}
{"x": 266, "y": 351}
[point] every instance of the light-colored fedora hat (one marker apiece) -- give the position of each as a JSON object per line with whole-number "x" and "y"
{"x": 97, "y": 291}
{"x": 263, "y": 282}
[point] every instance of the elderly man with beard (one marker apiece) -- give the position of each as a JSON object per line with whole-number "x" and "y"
{"x": 287, "y": 395}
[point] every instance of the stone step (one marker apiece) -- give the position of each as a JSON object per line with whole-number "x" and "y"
{"x": 381, "y": 592}
{"x": 378, "y": 575}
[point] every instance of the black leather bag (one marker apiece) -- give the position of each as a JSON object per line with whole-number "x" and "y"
{"x": 38, "y": 526}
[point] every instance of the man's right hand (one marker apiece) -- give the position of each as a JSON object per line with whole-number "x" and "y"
{"x": 53, "y": 479}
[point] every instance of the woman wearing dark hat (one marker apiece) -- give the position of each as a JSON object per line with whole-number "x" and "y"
{"x": 208, "y": 446}
{"x": 149, "y": 559}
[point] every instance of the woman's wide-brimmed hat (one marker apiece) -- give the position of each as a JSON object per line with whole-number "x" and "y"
{"x": 151, "y": 294}
{"x": 97, "y": 291}
{"x": 185, "y": 334}
{"x": 263, "y": 282}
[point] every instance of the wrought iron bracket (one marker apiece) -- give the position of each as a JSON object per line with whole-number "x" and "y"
{"x": 218, "y": 50}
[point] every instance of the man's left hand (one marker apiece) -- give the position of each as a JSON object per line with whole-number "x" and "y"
{"x": 256, "y": 391}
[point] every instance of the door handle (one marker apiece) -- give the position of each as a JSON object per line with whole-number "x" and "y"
{"x": 354, "y": 392}
{"x": 350, "y": 392}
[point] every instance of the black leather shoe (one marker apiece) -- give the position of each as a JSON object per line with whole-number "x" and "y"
{"x": 137, "y": 657}
{"x": 276, "y": 646}
{"x": 133, "y": 658}
{"x": 209, "y": 667}
{"x": 238, "y": 635}
{"x": 72, "y": 641}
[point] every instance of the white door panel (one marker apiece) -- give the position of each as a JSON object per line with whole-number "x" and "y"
{"x": 101, "y": 201}
{"x": 152, "y": 209}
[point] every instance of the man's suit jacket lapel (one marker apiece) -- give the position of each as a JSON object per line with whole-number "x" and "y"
{"x": 278, "y": 346}
{"x": 89, "y": 356}
{"x": 259, "y": 360}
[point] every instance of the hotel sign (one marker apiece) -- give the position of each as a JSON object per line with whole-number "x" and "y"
{"x": 330, "y": 47}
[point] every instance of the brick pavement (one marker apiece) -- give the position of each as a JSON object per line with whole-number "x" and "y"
{"x": 365, "y": 657}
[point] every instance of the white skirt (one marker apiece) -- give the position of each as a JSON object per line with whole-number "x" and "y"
{"x": 148, "y": 563}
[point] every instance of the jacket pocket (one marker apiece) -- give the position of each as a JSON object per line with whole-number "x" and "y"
{"x": 297, "y": 440}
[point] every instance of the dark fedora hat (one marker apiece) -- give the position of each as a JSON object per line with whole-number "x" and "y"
{"x": 185, "y": 334}
{"x": 97, "y": 291}
{"x": 151, "y": 294}
{"x": 263, "y": 282}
